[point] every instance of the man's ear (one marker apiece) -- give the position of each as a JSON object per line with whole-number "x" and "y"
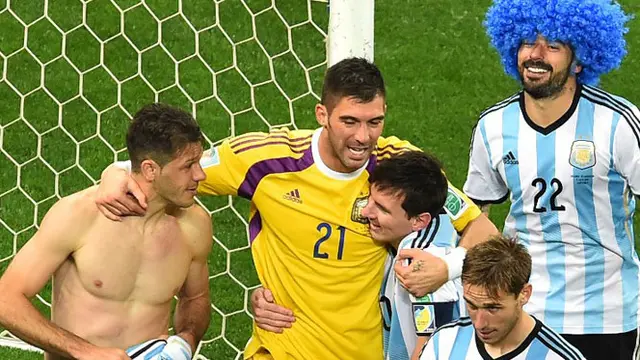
{"x": 525, "y": 294}
{"x": 322, "y": 115}
{"x": 149, "y": 169}
{"x": 420, "y": 222}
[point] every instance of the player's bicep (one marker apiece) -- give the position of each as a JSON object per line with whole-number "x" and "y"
{"x": 40, "y": 257}
{"x": 201, "y": 238}
{"x": 484, "y": 182}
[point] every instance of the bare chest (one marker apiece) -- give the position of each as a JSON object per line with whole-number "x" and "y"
{"x": 119, "y": 264}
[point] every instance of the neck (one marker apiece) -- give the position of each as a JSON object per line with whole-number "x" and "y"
{"x": 544, "y": 112}
{"x": 156, "y": 205}
{"x": 518, "y": 334}
{"x": 327, "y": 155}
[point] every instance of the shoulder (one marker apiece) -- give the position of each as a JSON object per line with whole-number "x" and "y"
{"x": 499, "y": 105}
{"x": 195, "y": 223}
{"x": 604, "y": 98}
{"x": 388, "y": 146}
{"x": 627, "y": 111}
{"x": 68, "y": 220}
{"x": 79, "y": 208}
{"x": 275, "y": 143}
{"x": 557, "y": 343}
{"x": 452, "y": 328}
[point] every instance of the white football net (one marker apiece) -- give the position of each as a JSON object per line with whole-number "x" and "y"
{"x": 74, "y": 72}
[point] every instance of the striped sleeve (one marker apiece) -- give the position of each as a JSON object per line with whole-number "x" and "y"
{"x": 484, "y": 183}
{"x": 626, "y": 152}
{"x": 234, "y": 166}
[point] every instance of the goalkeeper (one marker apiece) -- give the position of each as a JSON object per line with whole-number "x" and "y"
{"x": 309, "y": 241}
{"x": 113, "y": 282}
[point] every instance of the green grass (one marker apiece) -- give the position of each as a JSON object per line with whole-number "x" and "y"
{"x": 439, "y": 70}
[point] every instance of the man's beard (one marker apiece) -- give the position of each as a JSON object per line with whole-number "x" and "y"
{"x": 548, "y": 89}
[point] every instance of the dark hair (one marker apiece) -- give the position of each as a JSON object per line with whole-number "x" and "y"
{"x": 160, "y": 132}
{"x": 416, "y": 176}
{"x": 499, "y": 264}
{"x": 351, "y": 77}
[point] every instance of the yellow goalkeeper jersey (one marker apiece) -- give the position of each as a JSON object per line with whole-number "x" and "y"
{"x": 309, "y": 241}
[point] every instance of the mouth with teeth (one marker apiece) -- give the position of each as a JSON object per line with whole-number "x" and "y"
{"x": 358, "y": 152}
{"x": 536, "y": 70}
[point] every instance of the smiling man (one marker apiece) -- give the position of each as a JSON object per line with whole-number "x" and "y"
{"x": 495, "y": 277}
{"x": 567, "y": 155}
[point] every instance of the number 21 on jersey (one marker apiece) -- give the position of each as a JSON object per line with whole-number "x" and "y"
{"x": 324, "y": 246}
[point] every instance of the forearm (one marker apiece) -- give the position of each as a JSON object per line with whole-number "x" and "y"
{"x": 479, "y": 230}
{"x": 191, "y": 319}
{"x": 18, "y": 315}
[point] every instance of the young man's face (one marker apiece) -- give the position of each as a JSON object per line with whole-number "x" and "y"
{"x": 353, "y": 129}
{"x": 545, "y": 67}
{"x": 179, "y": 178}
{"x": 494, "y": 319}
{"x": 388, "y": 221}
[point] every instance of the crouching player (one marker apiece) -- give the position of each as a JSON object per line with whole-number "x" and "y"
{"x": 113, "y": 282}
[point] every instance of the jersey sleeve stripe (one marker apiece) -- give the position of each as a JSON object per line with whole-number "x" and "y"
{"x": 237, "y": 144}
{"x": 500, "y": 105}
{"x": 433, "y": 228}
{"x": 487, "y": 202}
{"x": 420, "y": 237}
{"x": 255, "y": 135}
{"x": 296, "y": 148}
{"x": 259, "y": 170}
{"x": 605, "y": 99}
{"x": 255, "y": 226}
{"x": 556, "y": 343}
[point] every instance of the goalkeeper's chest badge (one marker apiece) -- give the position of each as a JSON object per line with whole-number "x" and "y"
{"x": 356, "y": 210}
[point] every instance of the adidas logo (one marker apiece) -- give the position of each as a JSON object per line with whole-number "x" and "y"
{"x": 509, "y": 159}
{"x": 293, "y": 195}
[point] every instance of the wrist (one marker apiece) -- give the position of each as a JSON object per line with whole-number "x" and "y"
{"x": 188, "y": 338}
{"x": 454, "y": 261}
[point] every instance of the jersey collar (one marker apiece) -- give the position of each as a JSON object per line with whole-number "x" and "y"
{"x": 513, "y": 353}
{"x": 563, "y": 119}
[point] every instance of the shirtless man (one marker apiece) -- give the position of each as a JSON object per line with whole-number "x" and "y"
{"x": 114, "y": 281}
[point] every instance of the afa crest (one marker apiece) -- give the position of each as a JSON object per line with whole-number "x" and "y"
{"x": 356, "y": 210}
{"x": 583, "y": 154}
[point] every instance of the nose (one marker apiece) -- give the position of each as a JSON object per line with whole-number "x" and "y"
{"x": 537, "y": 51}
{"x": 199, "y": 174}
{"x": 480, "y": 320}
{"x": 362, "y": 134}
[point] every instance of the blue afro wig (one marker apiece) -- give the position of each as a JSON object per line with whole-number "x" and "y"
{"x": 593, "y": 28}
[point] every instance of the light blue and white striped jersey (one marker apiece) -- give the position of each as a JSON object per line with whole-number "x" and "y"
{"x": 458, "y": 341}
{"x": 572, "y": 189}
{"x": 405, "y": 317}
